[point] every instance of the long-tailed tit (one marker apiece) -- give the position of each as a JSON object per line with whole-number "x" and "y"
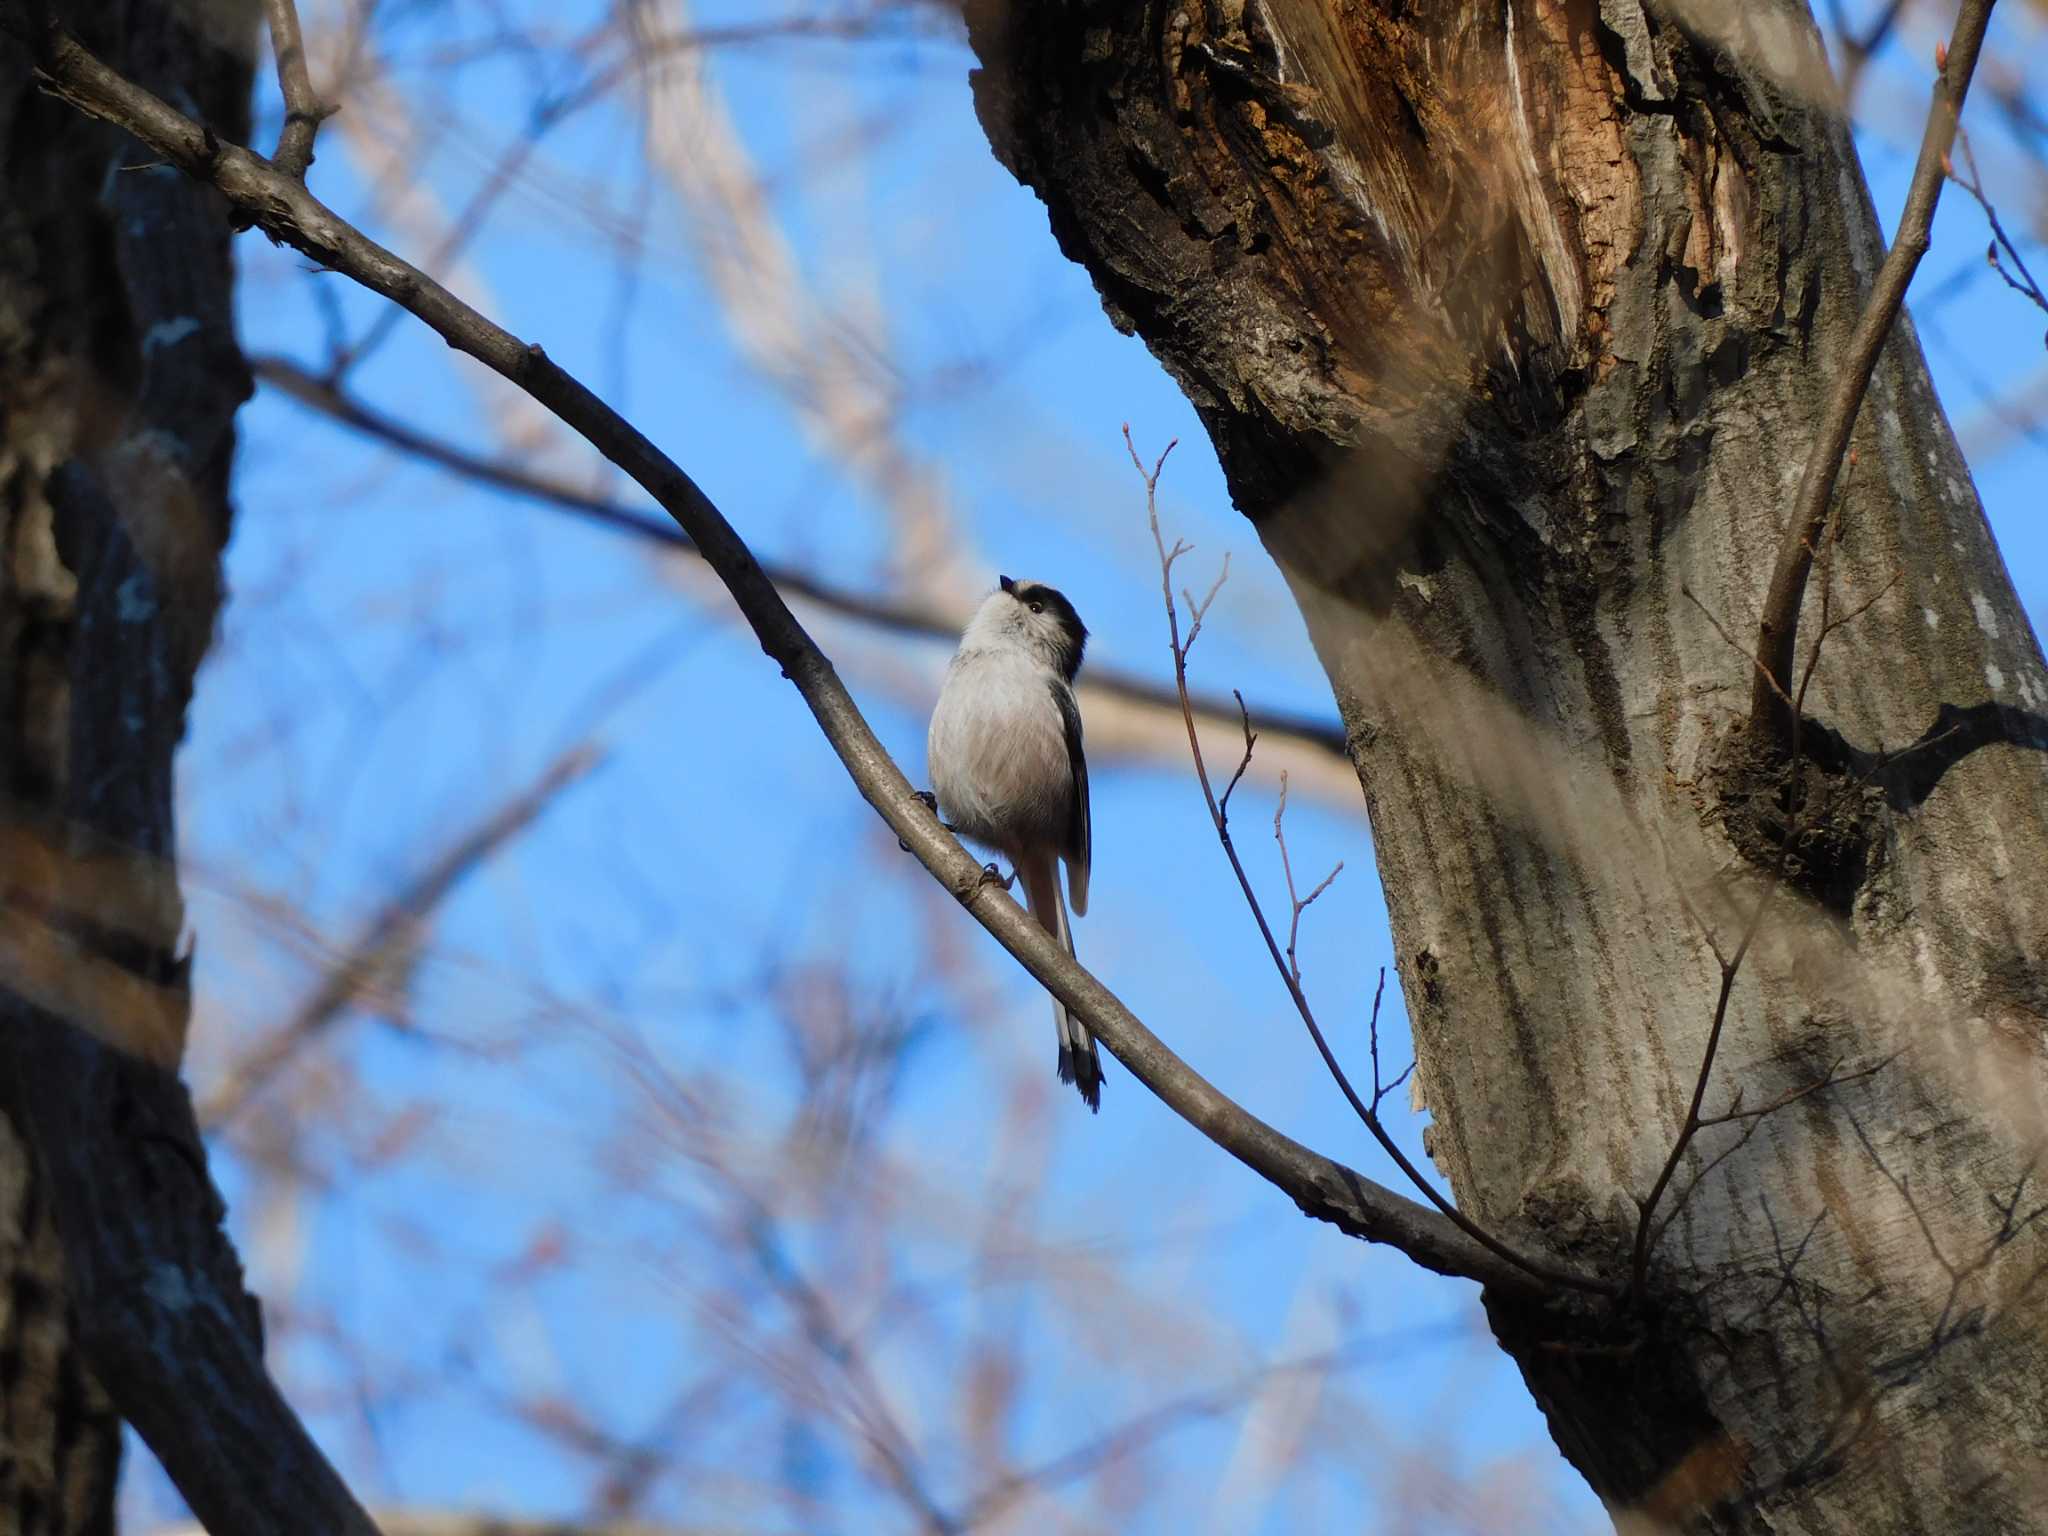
{"x": 1007, "y": 767}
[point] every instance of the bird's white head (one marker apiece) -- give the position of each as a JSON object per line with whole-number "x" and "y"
{"x": 1032, "y": 616}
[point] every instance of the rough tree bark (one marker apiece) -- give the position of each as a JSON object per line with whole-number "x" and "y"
{"x": 119, "y": 381}
{"x": 1511, "y": 324}
{"x": 85, "y": 380}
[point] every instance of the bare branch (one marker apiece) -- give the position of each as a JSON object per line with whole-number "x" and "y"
{"x": 1769, "y": 706}
{"x": 1646, "y": 1231}
{"x": 1299, "y": 904}
{"x": 1199, "y": 611}
{"x": 1251, "y": 738}
{"x": 1973, "y": 183}
{"x": 1839, "y": 621}
{"x": 1289, "y": 976}
{"x": 1763, "y": 672}
{"x": 1151, "y": 476}
{"x": 1829, "y": 1079}
{"x": 303, "y": 111}
{"x": 884, "y": 1435}
{"x": 1381, "y": 1089}
{"x": 1751, "y": 1120}
{"x": 1831, "y": 537}
{"x": 285, "y": 210}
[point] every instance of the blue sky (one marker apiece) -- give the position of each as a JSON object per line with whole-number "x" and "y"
{"x": 404, "y": 650}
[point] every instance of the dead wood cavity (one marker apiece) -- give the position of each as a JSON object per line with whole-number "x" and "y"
{"x": 1822, "y": 817}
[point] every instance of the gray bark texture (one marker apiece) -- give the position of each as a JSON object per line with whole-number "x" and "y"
{"x": 1511, "y": 324}
{"x": 120, "y": 376}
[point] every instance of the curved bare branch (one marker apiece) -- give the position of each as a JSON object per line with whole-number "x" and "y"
{"x": 287, "y": 212}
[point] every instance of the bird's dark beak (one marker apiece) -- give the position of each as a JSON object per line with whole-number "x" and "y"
{"x": 1007, "y": 585}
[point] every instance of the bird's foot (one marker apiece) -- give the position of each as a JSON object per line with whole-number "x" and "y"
{"x": 991, "y": 875}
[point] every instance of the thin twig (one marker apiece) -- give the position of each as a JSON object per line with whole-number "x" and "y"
{"x": 1251, "y": 738}
{"x": 303, "y": 111}
{"x": 1769, "y": 705}
{"x": 1763, "y": 672}
{"x": 1366, "y": 1113}
{"x": 1973, "y": 183}
{"x": 1830, "y": 539}
{"x": 1751, "y": 1120}
{"x": 1379, "y": 1089}
{"x": 286, "y": 211}
{"x": 1200, "y": 611}
{"x": 1639, "y": 1267}
{"x": 346, "y": 357}
{"x": 1832, "y": 1078}
{"x": 1841, "y": 621}
{"x": 1299, "y": 905}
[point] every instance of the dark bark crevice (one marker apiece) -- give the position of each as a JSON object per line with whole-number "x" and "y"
{"x": 1672, "y": 1457}
{"x": 1822, "y": 822}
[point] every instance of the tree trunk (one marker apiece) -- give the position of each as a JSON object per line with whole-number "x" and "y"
{"x": 1511, "y": 324}
{"x": 119, "y": 379}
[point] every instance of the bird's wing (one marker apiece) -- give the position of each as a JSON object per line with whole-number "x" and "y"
{"x": 1080, "y": 835}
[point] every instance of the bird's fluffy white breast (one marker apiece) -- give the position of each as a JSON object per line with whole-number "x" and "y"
{"x": 997, "y": 750}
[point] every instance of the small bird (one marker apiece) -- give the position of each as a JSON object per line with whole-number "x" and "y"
{"x": 1009, "y": 773}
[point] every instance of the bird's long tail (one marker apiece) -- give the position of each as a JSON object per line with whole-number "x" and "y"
{"x": 1079, "y": 1063}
